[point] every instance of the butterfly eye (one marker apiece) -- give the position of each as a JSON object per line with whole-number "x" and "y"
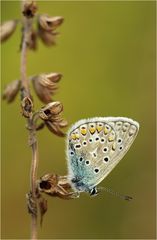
{"x": 96, "y": 170}
{"x": 106, "y": 159}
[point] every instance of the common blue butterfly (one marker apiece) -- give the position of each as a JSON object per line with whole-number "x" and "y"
{"x": 94, "y": 147}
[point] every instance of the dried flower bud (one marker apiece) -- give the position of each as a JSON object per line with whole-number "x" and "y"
{"x": 48, "y": 38}
{"x": 51, "y": 114}
{"x": 46, "y": 28}
{"x": 27, "y": 107}
{"x": 47, "y": 80}
{"x": 56, "y": 186}
{"x": 11, "y": 90}
{"x": 49, "y": 23}
{"x": 29, "y": 8}
{"x": 7, "y": 29}
{"x": 45, "y": 85}
{"x": 51, "y": 109}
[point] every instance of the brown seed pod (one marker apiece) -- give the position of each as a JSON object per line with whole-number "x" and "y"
{"x": 56, "y": 186}
{"x": 29, "y": 9}
{"x": 49, "y": 23}
{"x": 50, "y": 110}
{"x": 45, "y": 85}
{"x": 48, "y": 38}
{"x": 27, "y": 107}
{"x": 47, "y": 26}
{"x": 51, "y": 114}
{"x": 7, "y": 29}
{"x": 11, "y": 91}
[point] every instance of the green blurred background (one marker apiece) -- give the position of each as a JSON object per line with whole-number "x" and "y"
{"x": 106, "y": 52}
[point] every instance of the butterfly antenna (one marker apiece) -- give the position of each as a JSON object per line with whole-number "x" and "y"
{"x": 117, "y": 194}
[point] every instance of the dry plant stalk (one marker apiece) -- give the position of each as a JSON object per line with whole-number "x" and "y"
{"x": 44, "y": 85}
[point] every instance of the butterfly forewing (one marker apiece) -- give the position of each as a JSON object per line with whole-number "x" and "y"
{"x": 95, "y": 146}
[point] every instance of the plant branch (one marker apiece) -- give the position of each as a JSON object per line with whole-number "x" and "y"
{"x": 26, "y": 100}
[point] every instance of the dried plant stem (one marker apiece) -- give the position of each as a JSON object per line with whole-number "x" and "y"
{"x": 25, "y": 83}
{"x": 33, "y": 177}
{"x": 25, "y": 92}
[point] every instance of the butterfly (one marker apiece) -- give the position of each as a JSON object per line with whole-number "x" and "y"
{"x": 94, "y": 147}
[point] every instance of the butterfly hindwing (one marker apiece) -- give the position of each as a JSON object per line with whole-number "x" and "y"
{"x": 95, "y": 146}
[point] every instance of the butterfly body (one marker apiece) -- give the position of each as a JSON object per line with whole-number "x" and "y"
{"x": 94, "y": 148}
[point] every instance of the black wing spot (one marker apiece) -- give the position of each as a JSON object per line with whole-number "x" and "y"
{"x": 77, "y": 145}
{"x": 119, "y": 140}
{"x": 96, "y": 170}
{"x": 106, "y": 159}
{"x": 87, "y": 162}
{"x": 105, "y": 149}
{"x": 94, "y": 154}
{"x": 81, "y": 159}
